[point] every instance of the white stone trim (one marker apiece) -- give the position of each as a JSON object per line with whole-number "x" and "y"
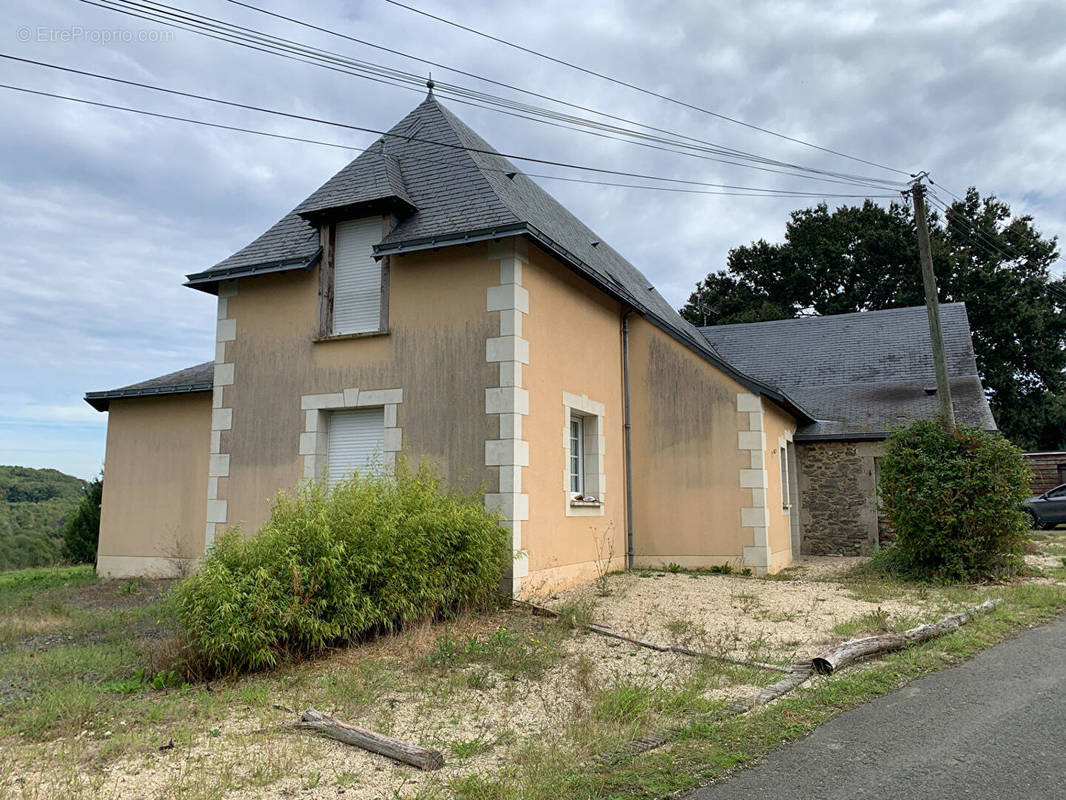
{"x": 221, "y": 409}
{"x": 509, "y": 454}
{"x": 314, "y": 440}
{"x": 755, "y": 517}
{"x": 595, "y": 450}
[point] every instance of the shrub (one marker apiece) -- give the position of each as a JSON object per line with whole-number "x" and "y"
{"x": 81, "y": 531}
{"x": 954, "y": 502}
{"x": 373, "y": 553}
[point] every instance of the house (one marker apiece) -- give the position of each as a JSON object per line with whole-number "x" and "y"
{"x": 430, "y": 298}
{"x": 1049, "y": 470}
{"x": 861, "y": 375}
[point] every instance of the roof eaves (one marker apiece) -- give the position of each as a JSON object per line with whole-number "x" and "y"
{"x": 208, "y": 280}
{"x": 101, "y": 400}
{"x": 446, "y": 240}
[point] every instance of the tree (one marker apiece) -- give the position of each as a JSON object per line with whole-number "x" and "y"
{"x": 81, "y": 532}
{"x": 864, "y": 258}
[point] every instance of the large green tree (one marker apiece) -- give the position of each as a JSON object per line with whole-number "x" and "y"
{"x": 863, "y": 258}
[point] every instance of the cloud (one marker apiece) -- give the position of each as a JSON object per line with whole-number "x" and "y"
{"x": 102, "y": 213}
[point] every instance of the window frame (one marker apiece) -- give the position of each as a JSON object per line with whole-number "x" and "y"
{"x": 589, "y": 415}
{"x": 577, "y": 421}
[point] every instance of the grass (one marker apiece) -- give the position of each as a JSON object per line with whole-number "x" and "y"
{"x": 77, "y": 693}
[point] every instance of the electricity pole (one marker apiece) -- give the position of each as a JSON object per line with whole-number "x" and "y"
{"x": 932, "y": 307}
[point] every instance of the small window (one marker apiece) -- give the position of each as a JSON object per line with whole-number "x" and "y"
{"x": 356, "y": 441}
{"x": 356, "y": 277}
{"x": 577, "y": 454}
{"x": 786, "y": 495}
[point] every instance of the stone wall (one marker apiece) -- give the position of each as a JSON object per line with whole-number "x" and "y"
{"x": 838, "y": 497}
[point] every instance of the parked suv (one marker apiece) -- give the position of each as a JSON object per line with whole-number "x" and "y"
{"x": 1049, "y": 509}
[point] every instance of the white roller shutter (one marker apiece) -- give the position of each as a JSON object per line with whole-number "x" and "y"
{"x": 356, "y": 440}
{"x": 357, "y": 277}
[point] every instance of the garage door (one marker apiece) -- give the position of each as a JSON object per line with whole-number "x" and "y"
{"x": 356, "y": 441}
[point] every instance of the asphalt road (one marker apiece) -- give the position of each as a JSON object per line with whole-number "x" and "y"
{"x": 993, "y": 727}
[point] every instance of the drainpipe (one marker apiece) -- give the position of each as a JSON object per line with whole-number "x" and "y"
{"x": 628, "y": 443}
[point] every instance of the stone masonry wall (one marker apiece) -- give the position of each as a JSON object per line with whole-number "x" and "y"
{"x": 838, "y": 497}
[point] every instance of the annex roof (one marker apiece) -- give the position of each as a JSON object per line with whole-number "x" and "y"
{"x": 200, "y": 378}
{"x": 860, "y": 374}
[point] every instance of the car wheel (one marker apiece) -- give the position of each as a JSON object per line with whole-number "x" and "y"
{"x": 1035, "y": 523}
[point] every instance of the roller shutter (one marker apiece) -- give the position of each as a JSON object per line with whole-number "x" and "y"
{"x": 356, "y": 440}
{"x": 357, "y": 277}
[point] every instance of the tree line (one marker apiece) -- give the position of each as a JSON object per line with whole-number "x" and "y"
{"x": 865, "y": 258}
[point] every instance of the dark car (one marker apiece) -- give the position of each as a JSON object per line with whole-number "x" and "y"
{"x": 1048, "y": 509}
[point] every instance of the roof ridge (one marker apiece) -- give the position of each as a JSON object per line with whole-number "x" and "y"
{"x": 819, "y": 317}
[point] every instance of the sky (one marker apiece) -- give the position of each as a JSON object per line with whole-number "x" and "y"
{"x": 102, "y": 212}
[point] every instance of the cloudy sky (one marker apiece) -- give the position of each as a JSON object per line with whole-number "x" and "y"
{"x": 103, "y": 212}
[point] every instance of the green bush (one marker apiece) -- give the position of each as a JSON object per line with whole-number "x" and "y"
{"x": 954, "y": 502}
{"x": 81, "y": 531}
{"x": 373, "y": 553}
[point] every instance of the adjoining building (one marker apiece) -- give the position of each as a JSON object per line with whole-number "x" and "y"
{"x": 861, "y": 376}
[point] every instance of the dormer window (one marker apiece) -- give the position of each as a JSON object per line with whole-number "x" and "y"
{"x": 357, "y": 277}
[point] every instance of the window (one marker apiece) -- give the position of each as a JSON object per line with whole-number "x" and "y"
{"x": 577, "y": 454}
{"x": 356, "y": 277}
{"x": 584, "y": 445}
{"x": 356, "y": 440}
{"x": 786, "y": 492}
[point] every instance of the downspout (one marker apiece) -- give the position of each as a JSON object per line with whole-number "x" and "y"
{"x": 628, "y": 441}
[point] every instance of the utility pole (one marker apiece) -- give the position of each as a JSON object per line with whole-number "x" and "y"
{"x": 932, "y": 306}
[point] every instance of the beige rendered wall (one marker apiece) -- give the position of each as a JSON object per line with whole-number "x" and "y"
{"x": 574, "y": 339}
{"x": 434, "y": 351}
{"x": 155, "y": 470}
{"x": 697, "y": 440}
{"x": 779, "y": 428}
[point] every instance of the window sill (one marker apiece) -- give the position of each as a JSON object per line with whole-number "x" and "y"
{"x": 586, "y": 504}
{"x": 341, "y": 337}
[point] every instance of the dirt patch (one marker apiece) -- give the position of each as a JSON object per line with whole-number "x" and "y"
{"x": 115, "y": 594}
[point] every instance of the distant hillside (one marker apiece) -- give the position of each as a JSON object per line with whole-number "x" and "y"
{"x": 33, "y": 506}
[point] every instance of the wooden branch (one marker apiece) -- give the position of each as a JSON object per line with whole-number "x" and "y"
{"x": 843, "y": 654}
{"x": 421, "y": 757}
{"x": 603, "y": 630}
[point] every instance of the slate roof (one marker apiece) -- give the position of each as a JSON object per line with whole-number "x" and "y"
{"x": 372, "y": 178}
{"x": 200, "y": 378}
{"x": 860, "y": 374}
{"x": 462, "y": 190}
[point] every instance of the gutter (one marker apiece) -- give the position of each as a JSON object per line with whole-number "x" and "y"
{"x": 208, "y": 281}
{"x": 101, "y": 400}
{"x": 628, "y": 441}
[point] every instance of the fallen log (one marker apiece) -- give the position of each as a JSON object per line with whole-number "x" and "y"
{"x": 421, "y": 757}
{"x": 843, "y": 654}
{"x": 796, "y": 678}
{"x": 603, "y": 630}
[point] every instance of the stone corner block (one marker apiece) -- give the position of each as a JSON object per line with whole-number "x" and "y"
{"x": 753, "y": 479}
{"x": 746, "y": 401}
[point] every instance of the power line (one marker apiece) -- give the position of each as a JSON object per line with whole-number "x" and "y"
{"x": 258, "y": 40}
{"x": 745, "y": 191}
{"x": 643, "y": 90}
{"x": 990, "y": 243}
{"x": 240, "y": 129}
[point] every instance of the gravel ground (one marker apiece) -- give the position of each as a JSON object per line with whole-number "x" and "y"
{"x": 733, "y": 615}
